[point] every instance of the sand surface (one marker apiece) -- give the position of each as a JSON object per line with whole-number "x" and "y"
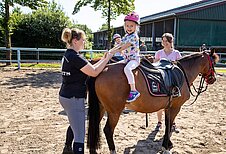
{"x": 33, "y": 122}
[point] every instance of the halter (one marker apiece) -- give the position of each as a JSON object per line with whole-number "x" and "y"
{"x": 208, "y": 77}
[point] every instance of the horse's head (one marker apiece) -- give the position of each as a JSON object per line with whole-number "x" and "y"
{"x": 209, "y": 71}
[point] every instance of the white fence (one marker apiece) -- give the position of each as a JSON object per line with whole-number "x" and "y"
{"x": 37, "y": 52}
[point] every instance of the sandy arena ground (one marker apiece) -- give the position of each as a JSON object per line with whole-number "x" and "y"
{"x": 33, "y": 122}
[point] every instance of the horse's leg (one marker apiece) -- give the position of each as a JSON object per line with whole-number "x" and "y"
{"x": 109, "y": 130}
{"x": 170, "y": 115}
{"x": 167, "y": 144}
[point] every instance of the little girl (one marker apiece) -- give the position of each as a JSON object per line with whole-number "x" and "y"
{"x": 130, "y": 48}
{"x": 118, "y": 56}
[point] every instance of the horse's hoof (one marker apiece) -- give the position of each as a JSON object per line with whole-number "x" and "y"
{"x": 113, "y": 152}
{"x": 164, "y": 151}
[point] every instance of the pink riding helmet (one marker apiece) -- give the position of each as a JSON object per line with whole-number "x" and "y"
{"x": 115, "y": 36}
{"x": 133, "y": 16}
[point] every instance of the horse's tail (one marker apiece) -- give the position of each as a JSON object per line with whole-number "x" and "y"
{"x": 93, "y": 116}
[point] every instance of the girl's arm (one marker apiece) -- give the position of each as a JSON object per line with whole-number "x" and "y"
{"x": 124, "y": 46}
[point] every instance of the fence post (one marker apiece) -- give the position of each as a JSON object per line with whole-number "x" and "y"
{"x": 37, "y": 56}
{"x": 91, "y": 54}
{"x": 18, "y": 59}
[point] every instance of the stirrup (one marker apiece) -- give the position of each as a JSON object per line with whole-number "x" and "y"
{"x": 176, "y": 92}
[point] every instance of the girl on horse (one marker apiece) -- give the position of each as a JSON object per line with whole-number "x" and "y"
{"x": 130, "y": 47}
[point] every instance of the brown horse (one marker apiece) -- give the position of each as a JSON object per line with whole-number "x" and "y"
{"x": 108, "y": 93}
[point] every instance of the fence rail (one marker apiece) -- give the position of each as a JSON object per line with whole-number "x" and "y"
{"x": 36, "y": 55}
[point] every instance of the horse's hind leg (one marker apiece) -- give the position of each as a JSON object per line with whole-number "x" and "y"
{"x": 109, "y": 130}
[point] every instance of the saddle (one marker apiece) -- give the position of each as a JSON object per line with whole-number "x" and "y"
{"x": 163, "y": 78}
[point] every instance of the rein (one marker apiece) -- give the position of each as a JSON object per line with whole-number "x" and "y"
{"x": 204, "y": 78}
{"x": 200, "y": 89}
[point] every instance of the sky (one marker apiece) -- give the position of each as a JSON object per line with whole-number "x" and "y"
{"x": 93, "y": 19}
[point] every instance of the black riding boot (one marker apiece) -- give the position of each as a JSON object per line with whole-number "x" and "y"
{"x": 68, "y": 144}
{"x": 69, "y": 136}
{"x": 78, "y": 148}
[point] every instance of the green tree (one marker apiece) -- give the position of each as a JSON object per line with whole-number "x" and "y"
{"x": 104, "y": 27}
{"x": 110, "y": 10}
{"x": 42, "y": 28}
{"x": 5, "y": 4}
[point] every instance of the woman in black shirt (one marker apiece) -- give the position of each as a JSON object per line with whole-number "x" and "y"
{"x": 75, "y": 71}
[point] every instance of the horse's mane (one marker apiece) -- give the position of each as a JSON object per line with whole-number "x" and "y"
{"x": 190, "y": 59}
{"x": 193, "y": 56}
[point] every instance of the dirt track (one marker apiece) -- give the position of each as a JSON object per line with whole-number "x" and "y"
{"x": 33, "y": 122}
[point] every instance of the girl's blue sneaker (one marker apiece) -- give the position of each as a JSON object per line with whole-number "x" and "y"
{"x": 133, "y": 95}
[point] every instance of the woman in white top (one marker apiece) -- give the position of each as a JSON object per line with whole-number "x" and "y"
{"x": 168, "y": 52}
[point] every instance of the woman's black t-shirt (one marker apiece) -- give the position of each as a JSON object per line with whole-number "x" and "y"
{"x": 74, "y": 80}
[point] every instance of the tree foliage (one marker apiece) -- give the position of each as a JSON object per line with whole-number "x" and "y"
{"x": 104, "y": 27}
{"x": 4, "y": 8}
{"x": 4, "y": 11}
{"x": 110, "y": 9}
{"x": 118, "y": 7}
{"x": 42, "y": 28}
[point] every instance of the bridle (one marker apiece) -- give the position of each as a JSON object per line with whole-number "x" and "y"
{"x": 209, "y": 78}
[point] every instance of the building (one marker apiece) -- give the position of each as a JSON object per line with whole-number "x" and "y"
{"x": 192, "y": 25}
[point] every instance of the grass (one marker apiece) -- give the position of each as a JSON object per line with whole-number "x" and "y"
{"x": 223, "y": 70}
{"x": 39, "y": 65}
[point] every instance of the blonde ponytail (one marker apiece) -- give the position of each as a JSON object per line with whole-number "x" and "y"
{"x": 66, "y": 36}
{"x": 69, "y": 34}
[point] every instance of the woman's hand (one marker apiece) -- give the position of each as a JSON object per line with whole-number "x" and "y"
{"x": 109, "y": 55}
{"x": 113, "y": 51}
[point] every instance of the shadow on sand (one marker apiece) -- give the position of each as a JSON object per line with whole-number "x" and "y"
{"x": 46, "y": 78}
{"x": 150, "y": 145}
